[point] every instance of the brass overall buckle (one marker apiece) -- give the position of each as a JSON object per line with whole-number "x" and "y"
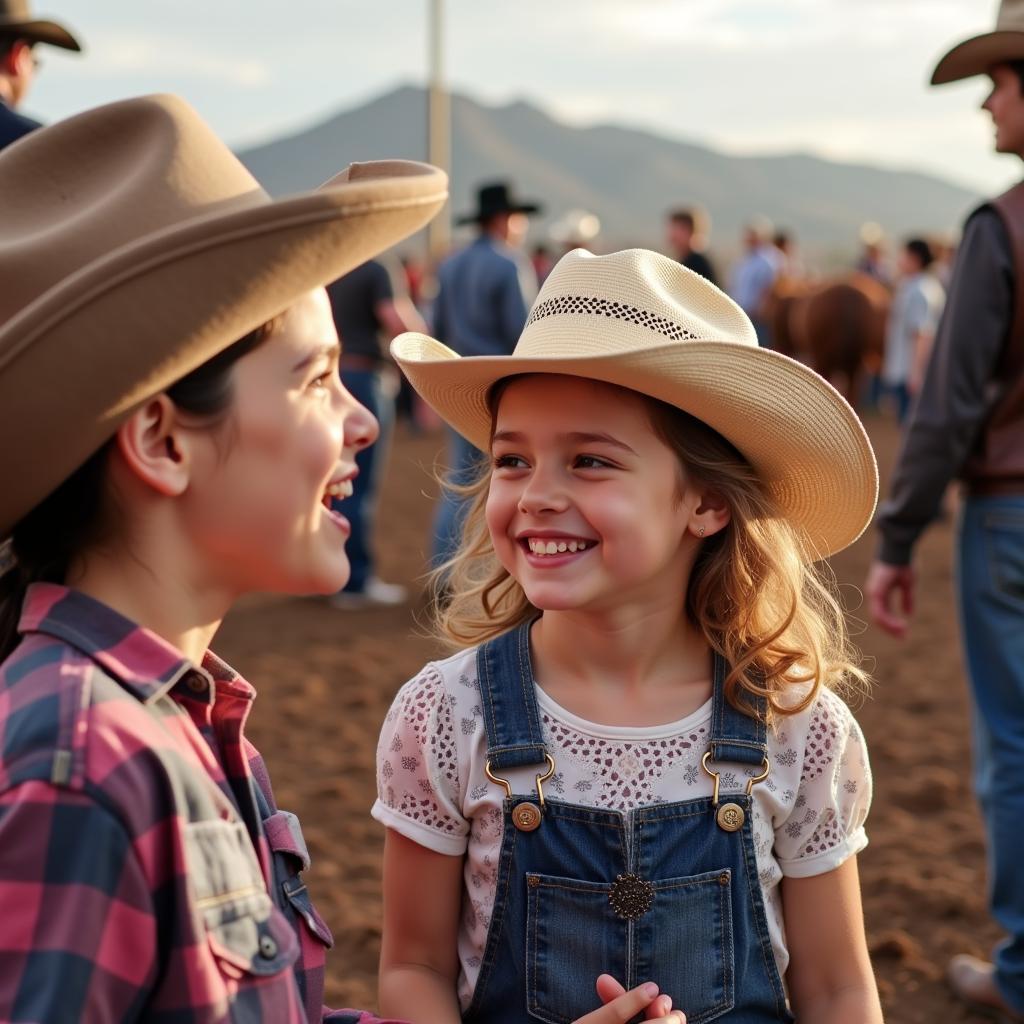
{"x": 525, "y": 816}
{"x": 730, "y": 816}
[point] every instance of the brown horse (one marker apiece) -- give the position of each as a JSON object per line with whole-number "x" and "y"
{"x": 836, "y": 326}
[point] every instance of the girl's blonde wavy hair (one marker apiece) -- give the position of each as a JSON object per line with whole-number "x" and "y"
{"x": 755, "y": 591}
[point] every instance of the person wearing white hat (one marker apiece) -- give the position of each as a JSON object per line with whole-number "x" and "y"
{"x": 635, "y": 762}
{"x": 968, "y": 424}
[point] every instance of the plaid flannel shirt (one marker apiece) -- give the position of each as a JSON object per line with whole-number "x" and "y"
{"x": 145, "y": 872}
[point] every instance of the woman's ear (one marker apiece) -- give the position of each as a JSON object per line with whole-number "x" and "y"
{"x": 711, "y": 514}
{"x": 153, "y": 445}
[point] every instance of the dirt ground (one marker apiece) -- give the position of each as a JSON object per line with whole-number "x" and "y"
{"x": 326, "y": 679}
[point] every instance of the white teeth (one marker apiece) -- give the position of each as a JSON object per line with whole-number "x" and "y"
{"x": 550, "y": 547}
{"x": 341, "y": 489}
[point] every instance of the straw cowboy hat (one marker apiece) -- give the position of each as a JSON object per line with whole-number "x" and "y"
{"x": 640, "y": 320}
{"x": 134, "y": 246}
{"x": 16, "y": 19}
{"x": 976, "y": 55}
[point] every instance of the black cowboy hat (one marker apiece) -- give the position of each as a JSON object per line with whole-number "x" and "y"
{"x": 494, "y": 199}
{"x": 16, "y": 19}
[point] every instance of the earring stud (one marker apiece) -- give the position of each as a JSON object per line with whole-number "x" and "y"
{"x": 700, "y": 532}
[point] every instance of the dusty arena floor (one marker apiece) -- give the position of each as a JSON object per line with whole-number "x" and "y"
{"x": 326, "y": 679}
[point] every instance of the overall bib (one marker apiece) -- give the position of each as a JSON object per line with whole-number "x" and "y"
{"x": 666, "y": 893}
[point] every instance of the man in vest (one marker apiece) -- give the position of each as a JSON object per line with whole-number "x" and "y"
{"x": 968, "y": 424}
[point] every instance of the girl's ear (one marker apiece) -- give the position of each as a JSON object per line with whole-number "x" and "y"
{"x": 153, "y": 445}
{"x": 711, "y": 514}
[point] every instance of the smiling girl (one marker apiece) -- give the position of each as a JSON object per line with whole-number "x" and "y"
{"x": 637, "y": 762}
{"x": 175, "y": 429}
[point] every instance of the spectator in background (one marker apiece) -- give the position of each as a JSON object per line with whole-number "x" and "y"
{"x": 872, "y": 259}
{"x": 686, "y": 233}
{"x": 754, "y": 275}
{"x": 366, "y": 309}
{"x": 19, "y": 34}
{"x": 790, "y": 264}
{"x": 484, "y": 293}
{"x": 968, "y": 424}
{"x": 913, "y": 317}
{"x": 542, "y": 260}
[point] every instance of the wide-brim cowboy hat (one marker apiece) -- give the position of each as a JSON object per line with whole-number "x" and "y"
{"x": 640, "y": 320}
{"x": 977, "y": 55}
{"x": 134, "y": 246}
{"x": 494, "y": 199}
{"x": 16, "y": 18}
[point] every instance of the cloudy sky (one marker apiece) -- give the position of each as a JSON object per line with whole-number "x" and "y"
{"x": 840, "y": 78}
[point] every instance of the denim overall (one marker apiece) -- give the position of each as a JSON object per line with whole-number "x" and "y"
{"x": 666, "y": 893}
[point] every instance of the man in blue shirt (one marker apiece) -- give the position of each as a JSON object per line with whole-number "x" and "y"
{"x": 484, "y": 294}
{"x": 754, "y": 275}
{"x": 19, "y": 33}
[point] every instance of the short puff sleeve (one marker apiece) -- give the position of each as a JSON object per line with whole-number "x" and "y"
{"x": 418, "y": 785}
{"x": 826, "y": 825}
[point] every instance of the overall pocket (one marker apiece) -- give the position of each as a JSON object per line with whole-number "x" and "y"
{"x": 683, "y": 942}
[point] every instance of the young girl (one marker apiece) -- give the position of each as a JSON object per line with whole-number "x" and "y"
{"x": 638, "y": 765}
{"x": 155, "y": 468}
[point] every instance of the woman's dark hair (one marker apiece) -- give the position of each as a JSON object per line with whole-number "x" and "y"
{"x": 71, "y": 518}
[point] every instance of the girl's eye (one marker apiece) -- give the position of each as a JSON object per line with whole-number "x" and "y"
{"x": 508, "y": 462}
{"x": 590, "y": 462}
{"x": 323, "y": 381}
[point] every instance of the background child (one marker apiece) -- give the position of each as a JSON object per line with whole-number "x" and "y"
{"x": 637, "y": 765}
{"x": 156, "y": 468}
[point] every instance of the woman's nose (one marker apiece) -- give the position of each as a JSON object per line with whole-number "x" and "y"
{"x": 361, "y": 426}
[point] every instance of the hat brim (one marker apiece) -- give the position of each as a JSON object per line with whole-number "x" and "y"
{"x": 803, "y": 439}
{"x": 976, "y": 56}
{"x": 180, "y": 296}
{"x": 476, "y": 218}
{"x": 42, "y": 32}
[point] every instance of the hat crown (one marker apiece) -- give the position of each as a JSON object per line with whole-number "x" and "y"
{"x": 88, "y": 186}
{"x": 625, "y": 302}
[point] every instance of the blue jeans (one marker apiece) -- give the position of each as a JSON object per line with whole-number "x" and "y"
{"x": 368, "y": 388}
{"x": 464, "y": 464}
{"x": 990, "y": 580}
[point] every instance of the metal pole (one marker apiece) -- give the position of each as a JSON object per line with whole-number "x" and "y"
{"x": 439, "y": 126}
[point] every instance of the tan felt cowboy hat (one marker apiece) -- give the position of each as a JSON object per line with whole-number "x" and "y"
{"x": 975, "y": 56}
{"x": 134, "y": 246}
{"x": 642, "y": 321}
{"x": 16, "y": 19}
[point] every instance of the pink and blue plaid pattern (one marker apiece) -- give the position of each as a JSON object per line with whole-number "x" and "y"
{"x": 145, "y": 872}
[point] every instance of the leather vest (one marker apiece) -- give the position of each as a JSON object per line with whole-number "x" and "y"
{"x": 996, "y": 462}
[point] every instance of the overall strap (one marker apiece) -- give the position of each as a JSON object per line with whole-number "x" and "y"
{"x": 735, "y": 736}
{"x": 509, "y": 699}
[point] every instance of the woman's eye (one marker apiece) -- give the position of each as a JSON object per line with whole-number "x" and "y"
{"x": 508, "y": 462}
{"x": 323, "y": 381}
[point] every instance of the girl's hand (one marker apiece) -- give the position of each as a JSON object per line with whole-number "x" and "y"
{"x": 622, "y": 1006}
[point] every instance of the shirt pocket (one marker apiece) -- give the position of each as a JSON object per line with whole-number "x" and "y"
{"x": 250, "y": 940}
{"x": 683, "y": 942}
{"x": 291, "y": 858}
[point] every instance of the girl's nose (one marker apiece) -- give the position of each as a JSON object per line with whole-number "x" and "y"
{"x": 542, "y": 494}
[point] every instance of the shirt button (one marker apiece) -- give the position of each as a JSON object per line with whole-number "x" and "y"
{"x": 268, "y": 947}
{"x": 196, "y": 683}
